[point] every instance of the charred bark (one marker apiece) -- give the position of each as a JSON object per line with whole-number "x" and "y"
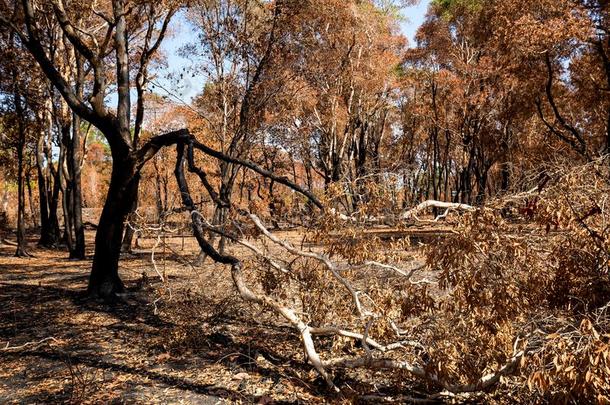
{"x": 129, "y": 230}
{"x": 76, "y": 200}
{"x": 104, "y": 281}
{"x": 21, "y": 237}
{"x": 19, "y": 110}
{"x": 49, "y": 225}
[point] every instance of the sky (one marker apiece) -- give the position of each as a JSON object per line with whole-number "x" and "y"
{"x": 183, "y": 89}
{"x": 414, "y": 18}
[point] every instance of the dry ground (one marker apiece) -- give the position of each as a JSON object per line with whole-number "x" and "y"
{"x": 58, "y": 346}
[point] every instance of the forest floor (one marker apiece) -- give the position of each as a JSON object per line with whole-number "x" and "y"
{"x": 58, "y": 346}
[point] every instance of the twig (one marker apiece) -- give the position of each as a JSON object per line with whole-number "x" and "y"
{"x": 9, "y": 348}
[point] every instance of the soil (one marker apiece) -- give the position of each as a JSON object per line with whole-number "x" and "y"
{"x": 188, "y": 340}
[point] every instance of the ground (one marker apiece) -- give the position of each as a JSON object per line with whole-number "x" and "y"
{"x": 58, "y": 346}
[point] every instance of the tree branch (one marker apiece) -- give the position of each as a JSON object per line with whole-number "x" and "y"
{"x": 581, "y": 147}
{"x": 34, "y": 45}
{"x": 256, "y": 168}
{"x": 150, "y": 148}
{"x": 122, "y": 71}
{"x": 141, "y": 76}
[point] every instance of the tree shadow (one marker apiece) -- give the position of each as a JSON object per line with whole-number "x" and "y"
{"x": 30, "y": 312}
{"x": 209, "y": 390}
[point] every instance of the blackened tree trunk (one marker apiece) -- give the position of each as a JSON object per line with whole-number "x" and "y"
{"x": 21, "y": 242}
{"x": 28, "y": 183}
{"x": 75, "y": 157}
{"x": 48, "y": 181}
{"x": 21, "y": 237}
{"x": 21, "y": 140}
{"x": 505, "y": 184}
{"x": 76, "y": 200}
{"x": 130, "y": 230}
{"x": 482, "y": 185}
{"x": 54, "y": 232}
{"x": 104, "y": 280}
{"x": 46, "y": 237}
{"x": 66, "y": 185}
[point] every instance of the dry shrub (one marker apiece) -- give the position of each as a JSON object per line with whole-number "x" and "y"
{"x": 194, "y": 316}
{"x": 543, "y": 275}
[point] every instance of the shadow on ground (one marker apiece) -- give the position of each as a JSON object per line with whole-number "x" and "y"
{"x": 116, "y": 353}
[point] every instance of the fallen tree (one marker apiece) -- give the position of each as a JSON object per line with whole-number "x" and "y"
{"x": 365, "y": 314}
{"x": 488, "y": 328}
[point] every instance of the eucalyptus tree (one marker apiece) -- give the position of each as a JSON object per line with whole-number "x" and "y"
{"x": 112, "y": 44}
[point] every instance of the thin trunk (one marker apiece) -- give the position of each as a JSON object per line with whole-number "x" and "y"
{"x": 21, "y": 240}
{"x": 130, "y": 230}
{"x": 158, "y": 194}
{"x": 28, "y": 183}
{"x": 66, "y": 186}
{"x": 482, "y": 185}
{"x": 43, "y": 196}
{"x": 76, "y": 191}
{"x": 505, "y": 177}
{"x": 54, "y": 231}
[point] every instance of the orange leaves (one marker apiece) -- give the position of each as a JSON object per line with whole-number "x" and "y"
{"x": 574, "y": 360}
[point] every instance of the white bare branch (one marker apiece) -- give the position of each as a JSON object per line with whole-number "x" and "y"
{"x": 320, "y": 257}
{"x": 412, "y": 213}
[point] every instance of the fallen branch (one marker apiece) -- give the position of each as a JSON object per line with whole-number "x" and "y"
{"x": 321, "y": 258}
{"x": 412, "y": 213}
{"x": 290, "y": 316}
{"x": 236, "y": 265}
{"x": 481, "y": 384}
{"x": 333, "y": 331}
{"x": 24, "y": 346}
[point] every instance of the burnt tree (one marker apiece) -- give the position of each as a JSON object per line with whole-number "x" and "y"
{"x": 105, "y": 54}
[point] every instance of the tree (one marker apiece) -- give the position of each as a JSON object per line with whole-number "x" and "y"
{"x": 239, "y": 41}
{"x": 19, "y": 123}
{"x": 106, "y": 45}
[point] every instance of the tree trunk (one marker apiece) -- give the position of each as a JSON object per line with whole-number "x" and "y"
{"x": 54, "y": 232}
{"x": 104, "y": 280}
{"x": 482, "y": 183}
{"x": 129, "y": 230}
{"x": 481, "y": 192}
{"x": 28, "y": 183}
{"x": 48, "y": 182}
{"x": 505, "y": 185}
{"x": 76, "y": 191}
{"x": 66, "y": 186}
{"x": 21, "y": 242}
{"x": 43, "y": 196}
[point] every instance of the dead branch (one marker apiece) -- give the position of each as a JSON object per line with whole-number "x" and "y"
{"x": 320, "y": 257}
{"x": 481, "y": 384}
{"x": 412, "y": 213}
{"x": 28, "y": 345}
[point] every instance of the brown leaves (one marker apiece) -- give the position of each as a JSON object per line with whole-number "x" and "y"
{"x": 505, "y": 278}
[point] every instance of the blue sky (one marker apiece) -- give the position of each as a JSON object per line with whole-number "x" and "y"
{"x": 182, "y": 89}
{"x": 414, "y": 18}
